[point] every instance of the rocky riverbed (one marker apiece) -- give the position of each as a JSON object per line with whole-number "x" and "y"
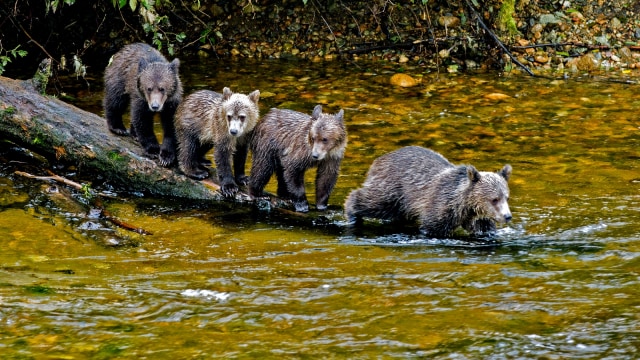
{"x": 565, "y": 36}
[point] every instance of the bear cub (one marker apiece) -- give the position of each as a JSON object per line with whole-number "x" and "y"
{"x": 140, "y": 75}
{"x": 288, "y": 143}
{"x": 414, "y": 183}
{"x": 206, "y": 119}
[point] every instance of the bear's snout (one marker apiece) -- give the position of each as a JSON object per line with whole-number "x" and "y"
{"x": 233, "y": 132}
{"x": 507, "y": 217}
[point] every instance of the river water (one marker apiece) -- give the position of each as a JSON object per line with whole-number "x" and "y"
{"x": 229, "y": 281}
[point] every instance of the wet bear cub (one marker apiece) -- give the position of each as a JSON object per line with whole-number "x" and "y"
{"x": 415, "y": 183}
{"x": 140, "y": 75}
{"x": 288, "y": 143}
{"x": 207, "y": 119}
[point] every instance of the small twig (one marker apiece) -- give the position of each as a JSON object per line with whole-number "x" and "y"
{"x": 497, "y": 41}
{"x": 335, "y": 40}
{"x": 52, "y": 177}
{"x": 106, "y": 214}
{"x": 32, "y": 39}
{"x": 588, "y": 46}
{"x": 97, "y": 201}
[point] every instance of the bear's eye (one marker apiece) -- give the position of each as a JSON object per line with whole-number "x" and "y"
{"x": 495, "y": 201}
{"x": 324, "y": 140}
{"x": 162, "y": 90}
{"x": 242, "y": 117}
{"x": 229, "y": 117}
{"x": 149, "y": 89}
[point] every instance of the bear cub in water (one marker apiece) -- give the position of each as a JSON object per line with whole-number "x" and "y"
{"x": 206, "y": 119}
{"x": 140, "y": 75}
{"x": 288, "y": 143}
{"x": 415, "y": 183}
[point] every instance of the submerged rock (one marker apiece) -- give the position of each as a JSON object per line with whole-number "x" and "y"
{"x": 403, "y": 80}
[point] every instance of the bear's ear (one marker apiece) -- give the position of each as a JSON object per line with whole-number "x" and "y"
{"x": 340, "y": 115}
{"x": 473, "y": 173}
{"x": 505, "y": 172}
{"x": 255, "y": 96}
{"x": 174, "y": 65}
{"x": 226, "y": 94}
{"x": 142, "y": 64}
{"x": 317, "y": 111}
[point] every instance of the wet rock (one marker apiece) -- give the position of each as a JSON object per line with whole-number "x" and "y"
{"x": 449, "y": 21}
{"x": 602, "y": 40}
{"x": 587, "y": 63}
{"x": 403, "y": 80}
{"x": 497, "y": 96}
{"x": 615, "y": 23}
{"x": 470, "y": 64}
{"x": 564, "y": 27}
{"x": 541, "y": 58}
{"x": 537, "y": 28}
{"x": 577, "y": 17}
{"x": 548, "y": 19}
{"x": 625, "y": 54}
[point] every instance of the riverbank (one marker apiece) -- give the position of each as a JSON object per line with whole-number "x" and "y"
{"x": 565, "y": 37}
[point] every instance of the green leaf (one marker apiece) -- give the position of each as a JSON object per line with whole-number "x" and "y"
{"x": 133, "y": 4}
{"x": 122, "y": 4}
{"x": 180, "y": 37}
{"x": 562, "y": 53}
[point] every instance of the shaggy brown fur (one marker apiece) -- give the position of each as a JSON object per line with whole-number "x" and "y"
{"x": 288, "y": 143}
{"x": 140, "y": 75}
{"x": 415, "y": 183}
{"x": 206, "y": 119}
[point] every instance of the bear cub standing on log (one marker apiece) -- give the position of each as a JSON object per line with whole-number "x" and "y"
{"x": 139, "y": 74}
{"x": 288, "y": 143}
{"x": 206, "y": 119}
{"x": 414, "y": 183}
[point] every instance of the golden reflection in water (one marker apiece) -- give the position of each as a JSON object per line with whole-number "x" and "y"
{"x": 562, "y": 283}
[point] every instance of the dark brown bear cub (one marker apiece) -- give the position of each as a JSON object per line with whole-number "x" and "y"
{"x": 288, "y": 143}
{"x": 140, "y": 75}
{"x": 206, "y": 119}
{"x": 415, "y": 183}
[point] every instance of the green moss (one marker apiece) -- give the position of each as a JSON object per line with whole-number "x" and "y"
{"x": 506, "y": 22}
{"x": 7, "y": 112}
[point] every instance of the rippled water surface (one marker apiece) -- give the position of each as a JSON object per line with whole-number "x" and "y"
{"x": 229, "y": 281}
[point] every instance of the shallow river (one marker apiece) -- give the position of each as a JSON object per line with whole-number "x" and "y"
{"x": 229, "y": 281}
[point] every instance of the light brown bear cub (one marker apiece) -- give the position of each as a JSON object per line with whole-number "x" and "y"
{"x": 288, "y": 143}
{"x": 415, "y": 183}
{"x": 140, "y": 75}
{"x": 207, "y": 119}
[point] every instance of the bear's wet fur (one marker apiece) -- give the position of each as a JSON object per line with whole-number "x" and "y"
{"x": 207, "y": 119}
{"x": 288, "y": 143}
{"x": 140, "y": 76}
{"x": 414, "y": 183}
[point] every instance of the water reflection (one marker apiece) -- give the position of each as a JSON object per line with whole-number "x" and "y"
{"x": 224, "y": 280}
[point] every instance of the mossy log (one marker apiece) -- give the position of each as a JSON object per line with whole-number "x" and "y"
{"x": 60, "y": 131}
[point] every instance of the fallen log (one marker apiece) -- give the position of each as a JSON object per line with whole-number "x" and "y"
{"x": 65, "y": 133}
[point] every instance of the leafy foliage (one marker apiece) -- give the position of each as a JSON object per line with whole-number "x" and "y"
{"x": 6, "y": 56}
